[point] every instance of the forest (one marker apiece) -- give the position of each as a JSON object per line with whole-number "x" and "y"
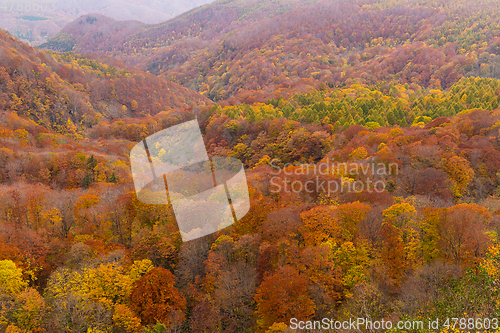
{"x": 301, "y": 95}
{"x": 232, "y": 49}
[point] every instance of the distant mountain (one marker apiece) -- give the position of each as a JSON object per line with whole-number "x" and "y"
{"x": 57, "y": 89}
{"x": 93, "y": 33}
{"x": 237, "y": 49}
{"x": 207, "y": 23}
{"x": 36, "y": 23}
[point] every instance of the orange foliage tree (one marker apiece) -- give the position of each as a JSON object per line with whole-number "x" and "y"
{"x": 351, "y": 214}
{"x": 462, "y": 233}
{"x": 155, "y": 298}
{"x": 321, "y": 224}
{"x": 283, "y": 295}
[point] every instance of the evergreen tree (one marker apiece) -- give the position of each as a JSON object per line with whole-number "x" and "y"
{"x": 113, "y": 178}
{"x": 86, "y": 181}
{"x": 403, "y": 123}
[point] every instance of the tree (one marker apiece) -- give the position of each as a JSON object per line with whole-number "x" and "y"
{"x": 325, "y": 275}
{"x": 75, "y": 312}
{"x": 281, "y": 296}
{"x": 134, "y": 105}
{"x": 191, "y": 261}
{"x": 86, "y": 181}
{"x": 422, "y": 288}
{"x": 11, "y": 278}
{"x": 125, "y": 318}
{"x": 267, "y": 262}
{"x": 400, "y": 214}
{"x": 233, "y": 295}
{"x": 230, "y": 282}
{"x": 353, "y": 261}
{"x": 155, "y": 298}
{"x": 31, "y": 310}
{"x": 393, "y": 253}
{"x": 320, "y": 225}
{"x": 431, "y": 182}
{"x": 368, "y": 301}
{"x": 429, "y": 234}
{"x": 461, "y": 174}
{"x": 108, "y": 283}
{"x": 403, "y": 123}
{"x": 474, "y": 294}
{"x": 158, "y": 244}
{"x": 94, "y": 292}
{"x": 351, "y": 214}
{"x": 400, "y": 242}
{"x": 462, "y": 234}
{"x": 358, "y": 154}
{"x": 113, "y": 178}
{"x": 205, "y": 318}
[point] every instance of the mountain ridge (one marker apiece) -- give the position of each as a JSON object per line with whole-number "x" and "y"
{"x": 227, "y": 49}
{"x": 57, "y": 89}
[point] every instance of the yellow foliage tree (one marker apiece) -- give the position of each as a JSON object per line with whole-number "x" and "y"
{"x": 351, "y": 214}
{"x": 460, "y": 173}
{"x": 352, "y": 260}
{"x": 30, "y": 311}
{"x": 358, "y": 154}
{"x": 125, "y": 318}
{"x": 11, "y": 278}
{"x": 321, "y": 224}
{"x": 108, "y": 283}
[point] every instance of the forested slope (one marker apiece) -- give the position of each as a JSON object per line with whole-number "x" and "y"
{"x": 55, "y": 90}
{"x": 227, "y": 49}
{"x": 370, "y": 134}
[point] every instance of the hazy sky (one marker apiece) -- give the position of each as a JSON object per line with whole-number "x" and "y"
{"x": 35, "y": 21}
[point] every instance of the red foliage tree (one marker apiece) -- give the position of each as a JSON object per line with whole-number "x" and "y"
{"x": 155, "y": 298}
{"x": 283, "y": 295}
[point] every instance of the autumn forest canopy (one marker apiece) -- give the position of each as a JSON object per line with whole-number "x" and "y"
{"x": 409, "y": 86}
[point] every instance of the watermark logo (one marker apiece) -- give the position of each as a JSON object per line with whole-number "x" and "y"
{"x": 330, "y": 177}
{"x": 172, "y": 167}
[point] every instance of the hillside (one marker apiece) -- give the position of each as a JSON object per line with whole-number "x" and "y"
{"x": 409, "y": 44}
{"x": 207, "y": 23}
{"x": 72, "y": 224}
{"x": 370, "y": 136}
{"x": 54, "y": 89}
{"x": 225, "y": 49}
{"x": 88, "y": 29}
